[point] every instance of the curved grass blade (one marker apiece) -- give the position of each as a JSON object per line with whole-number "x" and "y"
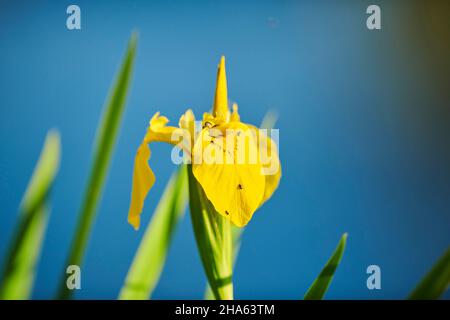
{"x": 436, "y": 282}
{"x": 214, "y": 241}
{"x": 320, "y": 285}
{"x": 19, "y": 267}
{"x": 149, "y": 260}
{"x": 103, "y": 150}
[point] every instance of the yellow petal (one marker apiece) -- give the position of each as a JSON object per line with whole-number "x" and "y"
{"x": 220, "y": 108}
{"x": 158, "y": 131}
{"x": 235, "y": 115}
{"x": 235, "y": 185}
{"x": 143, "y": 176}
{"x": 270, "y": 162}
{"x": 272, "y": 179}
{"x": 143, "y": 180}
{"x": 187, "y": 122}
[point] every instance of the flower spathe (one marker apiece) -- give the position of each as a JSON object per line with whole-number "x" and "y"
{"x": 236, "y": 186}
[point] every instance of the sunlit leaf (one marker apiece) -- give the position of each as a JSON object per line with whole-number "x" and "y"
{"x": 108, "y": 130}
{"x": 236, "y": 240}
{"x": 149, "y": 260}
{"x": 320, "y": 285}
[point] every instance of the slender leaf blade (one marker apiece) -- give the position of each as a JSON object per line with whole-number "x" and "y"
{"x": 19, "y": 268}
{"x": 149, "y": 260}
{"x": 320, "y": 285}
{"x": 105, "y": 141}
{"x": 436, "y": 281}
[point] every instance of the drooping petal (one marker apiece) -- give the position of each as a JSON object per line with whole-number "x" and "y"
{"x": 143, "y": 180}
{"x": 220, "y": 107}
{"x": 143, "y": 176}
{"x": 229, "y": 172}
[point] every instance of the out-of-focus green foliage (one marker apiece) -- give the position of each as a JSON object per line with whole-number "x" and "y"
{"x": 18, "y": 271}
{"x": 105, "y": 141}
{"x": 149, "y": 261}
{"x": 436, "y": 282}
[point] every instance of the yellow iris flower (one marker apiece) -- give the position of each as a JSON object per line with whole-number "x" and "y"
{"x": 239, "y": 183}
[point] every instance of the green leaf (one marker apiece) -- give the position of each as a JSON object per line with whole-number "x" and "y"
{"x": 148, "y": 263}
{"x": 214, "y": 240}
{"x": 320, "y": 285}
{"x": 18, "y": 274}
{"x": 236, "y": 240}
{"x": 105, "y": 141}
{"x": 436, "y": 282}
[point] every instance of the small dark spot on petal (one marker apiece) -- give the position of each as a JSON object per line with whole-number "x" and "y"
{"x": 227, "y": 212}
{"x": 207, "y": 125}
{"x": 240, "y": 187}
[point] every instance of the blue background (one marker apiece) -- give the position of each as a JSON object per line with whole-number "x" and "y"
{"x": 364, "y": 134}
